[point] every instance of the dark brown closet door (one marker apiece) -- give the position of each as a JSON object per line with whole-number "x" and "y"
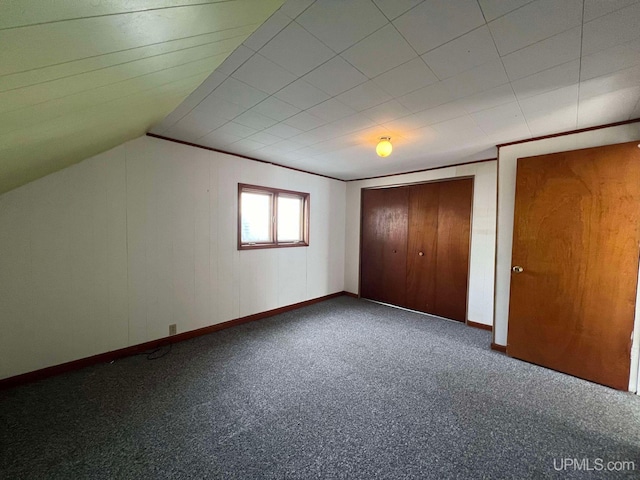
{"x": 422, "y": 247}
{"x": 383, "y": 265}
{"x": 575, "y": 262}
{"x": 454, "y": 237}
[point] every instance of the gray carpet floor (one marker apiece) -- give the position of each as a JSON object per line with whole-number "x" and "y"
{"x": 340, "y": 389}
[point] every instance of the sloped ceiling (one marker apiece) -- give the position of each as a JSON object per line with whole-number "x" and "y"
{"x": 78, "y": 77}
{"x": 317, "y": 85}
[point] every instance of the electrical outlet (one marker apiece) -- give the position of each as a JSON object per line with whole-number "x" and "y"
{"x": 173, "y": 329}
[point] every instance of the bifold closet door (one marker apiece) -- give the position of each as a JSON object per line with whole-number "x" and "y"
{"x": 415, "y": 246}
{"x": 453, "y": 248}
{"x": 422, "y": 249}
{"x": 383, "y": 249}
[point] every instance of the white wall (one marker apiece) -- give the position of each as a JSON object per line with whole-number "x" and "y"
{"x": 507, "y": 159}
{"x": 483, "y": 231}
{"x": 107, "y": 253}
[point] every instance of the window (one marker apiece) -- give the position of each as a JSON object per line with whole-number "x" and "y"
{"x": 270, "y": 218}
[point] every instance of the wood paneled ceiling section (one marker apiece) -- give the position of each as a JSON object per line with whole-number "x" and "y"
{"x": 78, "y": 77}
{"x": 318, "y": 84}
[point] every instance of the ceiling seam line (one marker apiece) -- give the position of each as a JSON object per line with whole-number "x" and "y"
{"x": 74, "y": 19}
{"x": 508, "y": 81}
{"x": 580, "y": 66}
{"x": 89, "y": 107}
{"x": 123, "y": 50}
{"x": 111, "y": 84}
{"x": 117, "y": 65}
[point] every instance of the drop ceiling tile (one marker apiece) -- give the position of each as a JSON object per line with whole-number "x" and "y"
{"x": 489, "y": 98}
{"x": 432, "y": 24}
{"x": 426, "y": 97}
{"x": 610, "y": 60}
{"x": 212, "y": 82}
{"x": 597, "y": 8}
{"x": 622, "y": 79}
{"x": 239, "y": 93}
{"x": 206, "y": 120}
{"x": 293, "y": 8}
{"x": 406, "y": 78}
{"x": 276, "y": 109}
{"x": 296, "y": 50}
{"x": 191, "y": 102}
{"x": 401, "y": 126}
{"x": 612, "y": 29}
{"x": 311, "y": 137}
{"x": 493, "y": 9}
{"x": 364, "y": 96}
{"x": 549, "y": 102}
{"x": 465, "y": 52}
{"x": 461, "y": 127}
{"x": 310, "y": 151}
{"x": 189, "y": 129}
{"x": 395, "y": 8}
{"x": 216, "y": 105}
{"x": 636, "y": 110}
{"x": 562, "y": 119}
{"x": 285, "y": 146}
{"x": 255, "y": 120}
{"x": 548, "y": 80}
{"x": 495, "y": 119}
{"x": 233, "y": 61}
{"x": 236, "y": 129}
{"x": 387, "y": 111}
{"x": 545, "y": 54}
{"x": 331, "y": 110}
{"x": 245, "y": 146}
{"x": 534, "y": 22}
{"x": 379, "y": 52}
{"x": 217, "y": 139}
{"x": 265, "y": 32}
{"x": 341, "y": 24}
{"x": 609, "y": 107}
{"x": 478, "y": 79}
{"x": 283, "y": 130}
{"x": 442, "y": 113}
{"x": 264, "y": 138}
{"x": 263, "y": 74}
{"x": 292, "y": 156}
{"x": 301, "y": 94}
{"x": 304, "y": 121}
{"x": 335, "y": 76}
{"x": 354, "y": 123}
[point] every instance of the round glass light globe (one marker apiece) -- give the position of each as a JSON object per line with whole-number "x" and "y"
{"x": 384, "y": 148}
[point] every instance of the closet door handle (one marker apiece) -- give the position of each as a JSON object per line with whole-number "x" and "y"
{"x": 421, "y": 254}
{"x": 395, "y": 251}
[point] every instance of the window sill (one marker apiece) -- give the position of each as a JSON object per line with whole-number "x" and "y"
{"x": 259, "y": 246}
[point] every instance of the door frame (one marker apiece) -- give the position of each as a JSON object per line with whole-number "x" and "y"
{"x": 408, "y": 184}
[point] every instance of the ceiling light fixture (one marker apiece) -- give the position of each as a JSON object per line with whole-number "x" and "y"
{"x": 384, "y": 147}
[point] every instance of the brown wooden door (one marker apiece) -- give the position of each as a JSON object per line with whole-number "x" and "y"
{"x": 383, "y": 265}
{"x": 454, "y": 236}
{"x": 576, "y": 237}
{"x": 422, "y": 249}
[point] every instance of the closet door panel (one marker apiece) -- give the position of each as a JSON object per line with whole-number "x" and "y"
{"x": 383, "y": 261}
{"x": 422, "y": 247}
{"x": 452, "y": 262}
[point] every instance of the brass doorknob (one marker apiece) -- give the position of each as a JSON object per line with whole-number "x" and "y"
{"x": 517, "y": 269}
{"x": 421, "y": 254}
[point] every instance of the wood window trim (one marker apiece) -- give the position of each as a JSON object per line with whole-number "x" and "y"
{"x": 275, "y": 192}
